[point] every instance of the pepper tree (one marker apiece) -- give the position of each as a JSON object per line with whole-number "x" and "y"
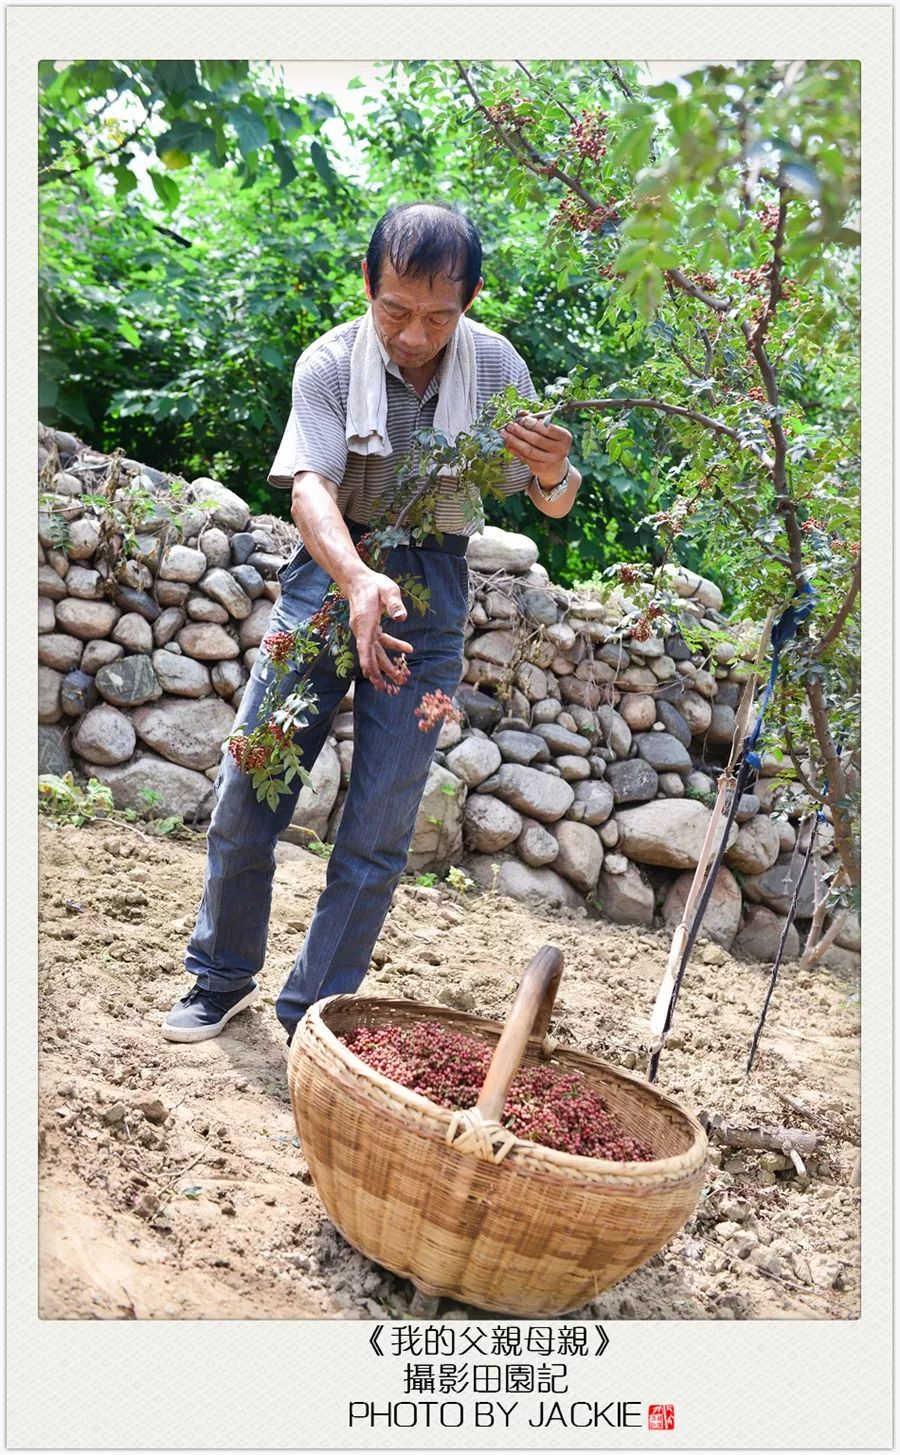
{"x": 723, "y": 213}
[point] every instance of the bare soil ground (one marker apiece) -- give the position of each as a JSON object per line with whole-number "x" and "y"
{"x": 203, "y": 1207}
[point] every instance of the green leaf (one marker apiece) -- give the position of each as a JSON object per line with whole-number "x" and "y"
{"x": 252, "y": 132}
{"x": 175, "y": 160}
{"x": 175, "y": 76}
{"x": 321, "y": 109}
{"x": 187, "y": 407}
{"x": 848, "y": 237}
{"x": 47, "y": 393}
{"x": 126, "y": 181}
{"x": 166, "y": 189}
{"x": 285, "y": 162}
{"x": 129, "y": 333}
{"x": 632, "y": 148}
{"x": 272, "y": 356}
{"x": 322, "y": 165}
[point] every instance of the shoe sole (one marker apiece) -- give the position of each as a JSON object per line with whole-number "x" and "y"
{"x": 207, "y": 1033}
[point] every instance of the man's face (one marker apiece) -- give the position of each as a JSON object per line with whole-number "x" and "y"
{"x": 415, "y": 317}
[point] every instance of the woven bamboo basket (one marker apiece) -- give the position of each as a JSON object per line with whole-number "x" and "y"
{"x": 453, "y": 1201}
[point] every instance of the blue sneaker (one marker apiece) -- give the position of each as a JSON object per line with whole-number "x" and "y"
{"x": 202, "y": 1014}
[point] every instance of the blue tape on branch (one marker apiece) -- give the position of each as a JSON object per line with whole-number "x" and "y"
{"x": 784, "y": 629}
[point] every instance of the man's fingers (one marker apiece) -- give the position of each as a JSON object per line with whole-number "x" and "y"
{"x": 533, "y": 453}
{"x": 546, "y": 436}
{"x": 395, "y": 644}
{"x": 373, "y": 673}
{"x": 364, "y": 627}
{"x": 392, "y": 603}
{"x": 365, "y": 647}
{"x": 531, "y": 421}
{"x": 396, "y": 671}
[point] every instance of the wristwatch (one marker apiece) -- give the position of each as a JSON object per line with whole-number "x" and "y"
{"x": 557, "y": 490}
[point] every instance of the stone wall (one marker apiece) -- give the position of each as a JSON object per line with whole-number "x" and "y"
{"x": 582, "y": 772}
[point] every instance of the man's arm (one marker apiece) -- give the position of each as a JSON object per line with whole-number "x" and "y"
{"x": 371, "y": 595}
{"x": 563, "y": 504}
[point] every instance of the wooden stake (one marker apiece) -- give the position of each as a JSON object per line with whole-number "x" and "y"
{"x": 667, "y": 986}
{"x": 710, "y": 844}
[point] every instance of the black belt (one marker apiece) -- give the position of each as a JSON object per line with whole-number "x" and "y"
{"x": 456, "y": 545}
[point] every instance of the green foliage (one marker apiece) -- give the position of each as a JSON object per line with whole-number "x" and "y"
{"x": 65, "y": 801}
{"x": 174, "y": 334}
{"x": 678, "y": 264}
{"x": 183, "y": 353}
{"x": 105, "y": 117}
{"x": 427, "y": 880}
{"x": 459, "y": 880}
{"x": 315, "y": 844}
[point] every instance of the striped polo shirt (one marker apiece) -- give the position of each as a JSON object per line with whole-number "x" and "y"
{"x": 315, "y": 435}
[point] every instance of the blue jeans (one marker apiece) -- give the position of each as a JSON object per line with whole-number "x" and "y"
{"x": 391, "y": 759}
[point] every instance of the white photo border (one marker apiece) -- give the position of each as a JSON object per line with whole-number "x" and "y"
{"x": 283, "y": 1384}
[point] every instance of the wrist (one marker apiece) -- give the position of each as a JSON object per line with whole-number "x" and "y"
{"x": 550, "y": 480}
{"x": 350, "y": 574}
{"x": 548, "y": 493}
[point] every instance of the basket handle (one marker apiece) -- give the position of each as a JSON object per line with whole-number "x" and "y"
{"x": 529, "y": 1015}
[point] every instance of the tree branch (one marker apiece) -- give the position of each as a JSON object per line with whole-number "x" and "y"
{"x": 51, "y": 174}
{"x": 815, "y": 948}
{"x": 685, "y": 359}
{"x": 784, "y": 501}
{"x": 170, "y": 232}
{"x": 792, "y": 754}
{"x": 719, "y": 305}
{"x": 534, "y": 80}
{"x": 768, "y": 312}
{"x": 708, "y": 347}
{"x": 524, "y": 152}
{"x": 835, "y": 778}
{"x": 677, "y": 409}
{"x": 620, "y": 81}
{"x": 837, "y": 625}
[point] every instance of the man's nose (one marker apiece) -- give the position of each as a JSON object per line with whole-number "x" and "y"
{"x": 414, "y": 336}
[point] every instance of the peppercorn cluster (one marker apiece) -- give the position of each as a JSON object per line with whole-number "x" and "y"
{"x": 589, "y": 134}
{"x": 516, "y": 112}
{"x": 435, "y": 709}
{"x": 555, "y": 1108}
{"x": 581, "y": 218}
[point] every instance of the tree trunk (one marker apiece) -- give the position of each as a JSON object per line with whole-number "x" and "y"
{"x": 837, "y": 782}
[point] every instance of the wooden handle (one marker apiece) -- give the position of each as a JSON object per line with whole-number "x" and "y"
{"x": 529, "y": 1016}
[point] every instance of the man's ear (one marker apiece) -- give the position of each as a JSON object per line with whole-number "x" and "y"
{"x": 478, "y": 287}
{"x": 365, "y": 273}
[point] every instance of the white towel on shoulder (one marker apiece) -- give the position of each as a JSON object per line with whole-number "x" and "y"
{"x": 367, "y": 396}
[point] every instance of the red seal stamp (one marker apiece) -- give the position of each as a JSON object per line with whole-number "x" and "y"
{"x": 660, "y": 1417}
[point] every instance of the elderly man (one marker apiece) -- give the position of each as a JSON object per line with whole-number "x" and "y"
{"x": 360, "y": 395}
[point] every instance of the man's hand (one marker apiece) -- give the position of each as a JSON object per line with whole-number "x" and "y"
{"x": 371, "y": 596}
{"x": 543, "y": 447}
